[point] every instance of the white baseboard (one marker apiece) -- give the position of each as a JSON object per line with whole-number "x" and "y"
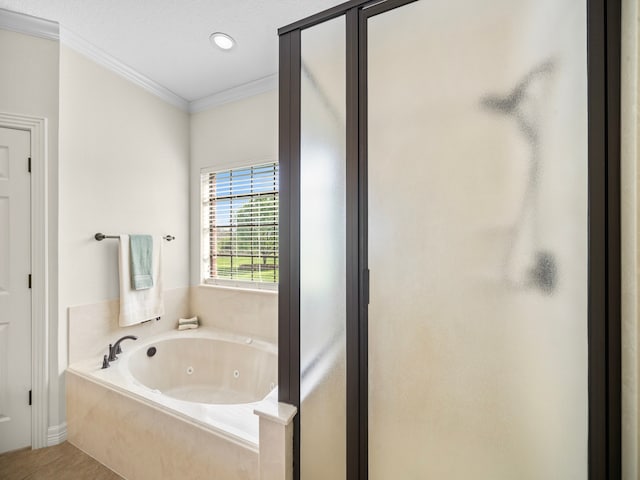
{"x": 57, "y": 434}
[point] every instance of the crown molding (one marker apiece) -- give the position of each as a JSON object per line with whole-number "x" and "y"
{"x": 28, "y": 25}
{"x": 79, "y": 44}
{"x": 39, "y": 27}
{"x": 261, "y": 85}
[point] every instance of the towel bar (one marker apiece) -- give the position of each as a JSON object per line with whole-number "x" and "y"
{"x": 102, "y": 236}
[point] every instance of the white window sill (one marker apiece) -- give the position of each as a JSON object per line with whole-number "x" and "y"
{"x": 240, "y": 288}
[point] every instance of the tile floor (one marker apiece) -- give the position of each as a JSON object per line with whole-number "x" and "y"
{"x": 61, "y": 462}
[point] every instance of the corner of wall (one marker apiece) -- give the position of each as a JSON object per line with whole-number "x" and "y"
{"x": 218, "y": 138}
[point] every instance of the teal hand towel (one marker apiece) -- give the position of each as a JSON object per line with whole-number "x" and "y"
{"x": 141, "y": 248}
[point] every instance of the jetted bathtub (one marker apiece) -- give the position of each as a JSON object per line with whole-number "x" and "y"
{"x": 207, "y": 377}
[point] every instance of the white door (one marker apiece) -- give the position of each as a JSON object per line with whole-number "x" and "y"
{"x": 15, "y": 295}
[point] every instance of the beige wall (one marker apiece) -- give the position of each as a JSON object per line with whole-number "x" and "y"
{"x": 630, "y": 245}
{"x": 231, "y": 135}
{"x": 124, "y": 158}
{"x": 29, "y": 86}
{"x": 235, "y": 134}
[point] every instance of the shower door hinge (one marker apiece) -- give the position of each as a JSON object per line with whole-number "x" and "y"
{"x": 29, "y": 164}
{"x": 29, "y": 280}
{"x": 29, "y": 397}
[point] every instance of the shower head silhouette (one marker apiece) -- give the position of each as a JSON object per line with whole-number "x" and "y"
{"x": 509, "y": 104}
{"x": 543, "y": 272}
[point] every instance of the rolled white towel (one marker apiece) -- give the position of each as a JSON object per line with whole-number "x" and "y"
{"x": 188, "y": 323}
{"x": 187, "y": 327}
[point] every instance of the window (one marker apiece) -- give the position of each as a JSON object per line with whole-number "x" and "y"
{"x": 240, "y": 226}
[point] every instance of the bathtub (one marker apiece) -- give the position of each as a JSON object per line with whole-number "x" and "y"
{"x": 205, "y": 378}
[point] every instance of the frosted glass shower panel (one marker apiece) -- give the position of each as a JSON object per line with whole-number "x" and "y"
{"x": 477, "y": 191}
{"x": 322, "y": 254}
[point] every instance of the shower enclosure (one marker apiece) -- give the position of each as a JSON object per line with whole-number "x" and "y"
{"x": 449, "y": 265}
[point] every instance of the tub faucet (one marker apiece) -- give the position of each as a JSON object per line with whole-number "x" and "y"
{"x": 115, "y": 349}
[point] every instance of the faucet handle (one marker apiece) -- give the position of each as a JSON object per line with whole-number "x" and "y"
{"x": 118, "y": 349}
{"x": 112, "y": 353}
{"x": 105, "y": 362}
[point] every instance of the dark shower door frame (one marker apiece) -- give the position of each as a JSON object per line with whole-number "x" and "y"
{"x": 603, "y": 52}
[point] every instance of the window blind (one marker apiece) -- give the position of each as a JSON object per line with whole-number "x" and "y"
{"x": 240, "y": 209}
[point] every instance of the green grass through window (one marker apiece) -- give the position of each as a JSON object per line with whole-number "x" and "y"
{"x": 263, "y": 269}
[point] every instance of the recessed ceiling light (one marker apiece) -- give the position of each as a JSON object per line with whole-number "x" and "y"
{"x": 222, "y": 40}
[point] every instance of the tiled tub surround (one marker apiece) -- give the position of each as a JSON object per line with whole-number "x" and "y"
{"x": 121, "y": 417}
{"x": 93, "y": 326}
{"x": 250, "y": 312}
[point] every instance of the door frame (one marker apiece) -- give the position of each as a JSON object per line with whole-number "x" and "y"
{"x": 604, "y": 315}
{"x": 37, "y": 127}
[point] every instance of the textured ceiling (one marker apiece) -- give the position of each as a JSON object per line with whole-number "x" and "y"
{"x": 168, "y": 40}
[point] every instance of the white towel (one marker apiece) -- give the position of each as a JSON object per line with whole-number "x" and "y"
{"x": 188, "y": 323}
{"x": 137, "y": 306}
